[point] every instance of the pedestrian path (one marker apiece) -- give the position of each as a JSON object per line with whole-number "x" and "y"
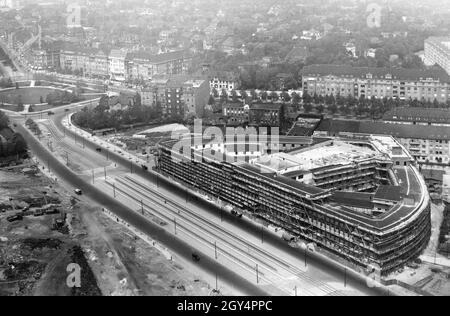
{"x": 439, "y": 260}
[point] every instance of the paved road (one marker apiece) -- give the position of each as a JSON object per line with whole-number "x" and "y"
{"x": 182, "y": 249}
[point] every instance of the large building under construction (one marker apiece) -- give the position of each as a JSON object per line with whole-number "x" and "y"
{"x": 362, "y": 198}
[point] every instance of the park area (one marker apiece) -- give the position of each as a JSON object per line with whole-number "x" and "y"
{"x": 30, "y": 95}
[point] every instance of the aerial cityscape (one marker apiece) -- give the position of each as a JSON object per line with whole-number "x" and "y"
{"x": 209, "y": 148}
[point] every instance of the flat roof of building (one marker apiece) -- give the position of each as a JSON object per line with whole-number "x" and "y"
{"x": 393, "y": 73}
{"x": 335, "y": 127}
{"x": 326, "y": 155}
{"x": 418, "y": 115}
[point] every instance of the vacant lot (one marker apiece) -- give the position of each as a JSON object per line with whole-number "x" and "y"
{"x": 35, "y": 254}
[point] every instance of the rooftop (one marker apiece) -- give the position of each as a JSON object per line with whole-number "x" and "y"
{"x": 397, "y": 130}
{"x": 435, "y": 73}
{"x": 389, "y": 193}
{"x": 415, "y": 114}
{"x": 336, "y": 153}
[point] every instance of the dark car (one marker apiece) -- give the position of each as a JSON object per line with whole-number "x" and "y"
{"x": 237, "y": 214}
{"x": 98, "y": 149}
{"x": 14, "y": 218}
{"x": 195, "y": 257}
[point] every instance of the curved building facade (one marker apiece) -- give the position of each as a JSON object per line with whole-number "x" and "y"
{"x": 362, "y": 199}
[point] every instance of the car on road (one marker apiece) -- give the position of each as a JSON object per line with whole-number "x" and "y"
{"x": 195, "y": 257}
{"x": 98, "y": 149}
{"x": 50, "y": 113}
{"x": 14, "y": 218}
{"x": 78, "y": 192}
{"x": 237, "y": 214}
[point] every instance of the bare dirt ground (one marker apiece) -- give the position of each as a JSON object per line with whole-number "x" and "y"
{"x": 34, "y": 253}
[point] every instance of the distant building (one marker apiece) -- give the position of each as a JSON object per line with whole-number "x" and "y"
{"x": 236, "y": 113}
{"x": 365, "y": 82}
{"x": 228, "y": 46}
{"x": 428, "y": 144}
{"x": 224, "y": 80}
{"x": 351, "y": 49}
{"x": 195, "y": 96}
{"x": 297, "y": 54}
{"x": 117, "y": 65}
{"x": 437, "y": 51}
{"x": 371, "y": 52}
{"x": 267, "y": 114}
{"x": 143, "y": 65}
{"x": 87, "y": 61}
{"x": 178, "y": 95}
{"x": 418, "y": 116}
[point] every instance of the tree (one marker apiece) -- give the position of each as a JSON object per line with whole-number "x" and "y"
{"x": 224, "y": 96}
{"x": 333, "y": 108}
{"x": 137, "y": 100}
{"x": 284, "y": 122}
{"x": 274, "y": 96}
{"x": 20, "y": 106}
{"x": 211, "y": 101}
{"x": 320, "y": 108}
{"x": 3, "y": 99}
{"x": 344, "y": 109}
{"x": 307, "y": 107}
{"x": 306, "y": 97}
{"x": 285, "y": 97}
{"x": 234, "y": 96}
{"x": 19, "y": 143}
{"x": 296, "y": 98}
{"x": 215, "y": 93}
{"x": 50, "y": 99}
{"x": 4, "y": 120}
{"x": 244, "y": 96}
{"x": 264, "y": 95}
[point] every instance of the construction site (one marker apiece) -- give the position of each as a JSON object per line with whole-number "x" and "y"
{"x": 360, "y": 199}
{"x": 44, "y": 228}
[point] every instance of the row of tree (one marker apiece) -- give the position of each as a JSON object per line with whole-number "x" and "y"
{"x": 58, "y": 98}
{"x": 6, "y": 83}
{"x": 34, "y": 127}
{"x": 103, "y": 116}
{"x": 14, "y": 145}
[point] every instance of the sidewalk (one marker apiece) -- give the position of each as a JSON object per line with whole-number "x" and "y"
{"x": 439, "y": 260}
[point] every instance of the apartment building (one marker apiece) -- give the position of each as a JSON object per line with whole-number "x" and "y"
{"x": 265, "y": 114}
{"x": 437, "y": 51}
{"x": 297, "y": 192}
{"x": 428, "y": 143}
{"x": 118, "y": 65}
{"x": 236, "y": 113}
{"x": 88, "y": 61}
{"x": 178, "y": 95}
{"x": 144, "y": 66}
{"x": 421, "y": 84}
{"x": 227, "y": 81}
{"x": 195, "y": 96}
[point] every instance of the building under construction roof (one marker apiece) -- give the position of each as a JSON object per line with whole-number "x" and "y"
{"x": 361, "y": 199}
